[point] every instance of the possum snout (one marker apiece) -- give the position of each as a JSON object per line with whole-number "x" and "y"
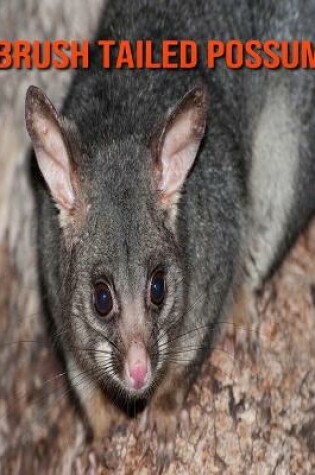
{"x": 137, "y": 366}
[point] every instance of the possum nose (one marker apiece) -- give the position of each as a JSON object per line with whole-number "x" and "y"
{"x": 138, "y": 376}
{"x": 137, "y": 366}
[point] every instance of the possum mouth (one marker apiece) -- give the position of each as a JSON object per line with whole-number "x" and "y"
{"x": 137, "y": 386}
{"x": 132, "y": 373}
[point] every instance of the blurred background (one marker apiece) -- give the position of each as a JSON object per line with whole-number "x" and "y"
{"x": 247, "y": 415}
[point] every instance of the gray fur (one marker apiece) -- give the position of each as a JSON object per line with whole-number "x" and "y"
{"x": 248, "y": 195}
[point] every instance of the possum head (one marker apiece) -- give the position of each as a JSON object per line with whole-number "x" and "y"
{"x": 124, "y": 293}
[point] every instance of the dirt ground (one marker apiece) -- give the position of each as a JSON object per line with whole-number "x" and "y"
{"x": 248, "y": 415}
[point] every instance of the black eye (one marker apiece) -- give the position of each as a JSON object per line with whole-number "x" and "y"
{"x": 157, "y": 291}
{"x": 103, "y": 300}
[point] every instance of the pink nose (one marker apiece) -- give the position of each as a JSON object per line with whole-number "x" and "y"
{"x": 138, "y": 375}
{"x": 137, "y": 367}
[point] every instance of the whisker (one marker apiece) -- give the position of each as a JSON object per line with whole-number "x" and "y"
{"x": 214, "y": 327}
{"x": 187, "y": 350}
{"x": 217, "y": 368}
{"x": 181, "y": 316}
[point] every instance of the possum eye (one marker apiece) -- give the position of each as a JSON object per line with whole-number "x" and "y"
{"x": 103, "y": 300}
{"x": 157, "y": 289}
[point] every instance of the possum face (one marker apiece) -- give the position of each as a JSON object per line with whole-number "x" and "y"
{"x": 124, "y": 291}
{"x": 127, "y": 295}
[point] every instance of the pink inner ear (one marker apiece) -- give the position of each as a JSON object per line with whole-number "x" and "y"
{"x": 53, "y": 160}
{"x": 179, "y": 151}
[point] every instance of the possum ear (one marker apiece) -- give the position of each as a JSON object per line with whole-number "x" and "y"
{"x": 45, "y": 129}
{"x": 176, "y": 146}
